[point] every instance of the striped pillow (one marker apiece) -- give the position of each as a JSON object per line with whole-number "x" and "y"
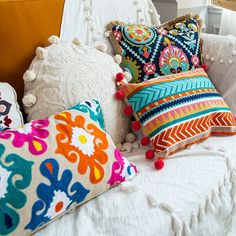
{"x": 176, "y": 111}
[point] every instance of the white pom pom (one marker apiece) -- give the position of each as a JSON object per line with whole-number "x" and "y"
{"x": 102, "y": 47}
{"x": 212, "y": 59}
{"x": 152, "y": 201}
{"x": 29, "y": 100}
{"x": 127, "y": 147}
{"x": 54, "y": 39}
{"x": 130, "y": 137}
{"x": 117, "y": 59}
{"x": 207, "y": 57}
{"x": 107, "y": 34}
{"x": 119, "y": 146}
{"x": 135, "y": 145}
{"x": 41, "y": 53}
{"x": 221, "y": 61}
{"x": 128, "y": 187}
{"x": 150, "y": 11}
{"x": 29, "y": 76}
{"x": 234, "y": 52}
{"x": 128, "y": 76}
{"x": 77, "y": 42}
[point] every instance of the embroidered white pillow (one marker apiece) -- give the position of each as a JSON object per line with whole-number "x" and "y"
{"x": 64, "y": 74}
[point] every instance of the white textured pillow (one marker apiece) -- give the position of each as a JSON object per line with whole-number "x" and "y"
{"x": 10, "y": 115}
{"x": 87, "y": 19}
{"x": 219, "y": 53}
{"x": 64, "y": 74}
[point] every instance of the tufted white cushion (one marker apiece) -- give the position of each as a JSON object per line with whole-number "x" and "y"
{"x": 62, "y": 75}
{"x": 87, "y": 19}
{"x": 219, "y": 53}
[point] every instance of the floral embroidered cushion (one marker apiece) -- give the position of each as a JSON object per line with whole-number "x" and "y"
{"x": 10, "y": 115}
{"x": 150, "y": 51}
{"x": 52, "y": 165}
{"x": 176, "y": 111}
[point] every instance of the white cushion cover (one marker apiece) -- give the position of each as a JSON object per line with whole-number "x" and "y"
{"x": 70, "y": 74}
{"x": 87, "y": 19}
{"x": 219, "y": 53}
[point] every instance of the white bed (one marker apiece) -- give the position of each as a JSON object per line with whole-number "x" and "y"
{"x": 196, "y": 183}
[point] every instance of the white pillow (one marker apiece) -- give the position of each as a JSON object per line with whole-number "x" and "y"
{"x": 87, "y": 19}
{"x": 64, "y": 74}
{"x": 10, "y": 115}
{"x": 219, "y": 53}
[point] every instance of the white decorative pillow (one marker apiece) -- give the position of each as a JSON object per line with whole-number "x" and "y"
{"x": 88, "y": 19}
{"x": 219, "y": 53}
{"x": 10, "y": 115}
{"x": 64, "y": 74}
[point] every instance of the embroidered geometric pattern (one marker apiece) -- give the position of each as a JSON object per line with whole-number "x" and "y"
{"x": 179, "y": 110}
{"x": 149, "y": 51}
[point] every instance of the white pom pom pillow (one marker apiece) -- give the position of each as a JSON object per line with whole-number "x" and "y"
{"x": 64, "y": 74}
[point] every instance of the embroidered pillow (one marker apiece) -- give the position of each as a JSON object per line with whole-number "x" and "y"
{"x": 10, "y": 115}
{"x": 150, "y": 51}
{"x": 176, "y": 111}
{"x": 52, "y": 165}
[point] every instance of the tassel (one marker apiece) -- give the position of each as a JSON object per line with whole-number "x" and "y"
{"x": 186, "y": 229}
{"x": 216, "y": 200}
{"x": 193, "y": 222}
{"x": 152, "y": 201}
{"x": 230, "y": 224}
{"x": 209, "y": 208}
{"x": 201, "y": 214}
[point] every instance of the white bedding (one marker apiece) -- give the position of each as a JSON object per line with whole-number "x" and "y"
{"x": 189, "y": 184}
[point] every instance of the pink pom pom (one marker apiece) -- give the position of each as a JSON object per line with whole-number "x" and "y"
{"x": 150, "y": 154}
{"x": 128, "y": 111}
{"x": 119, "y": 77}
{"x": 159, "y": 164}
{"x": 136, "y": 126}
{"x": 120, "y": 95}
{"x": 205, "y": 67}
{"x": 145, "y": 141}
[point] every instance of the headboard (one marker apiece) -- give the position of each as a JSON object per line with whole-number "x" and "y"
{"x": 25, "y": 25}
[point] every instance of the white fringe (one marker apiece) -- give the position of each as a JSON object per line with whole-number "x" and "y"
{"x": 193, "y": 222}
{"x": 186, "y": 229}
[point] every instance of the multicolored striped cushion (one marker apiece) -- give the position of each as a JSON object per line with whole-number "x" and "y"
{"x": 179, "y": 110}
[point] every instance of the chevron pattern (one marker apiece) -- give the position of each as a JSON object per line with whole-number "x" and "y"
{"x": 179, "y": 110}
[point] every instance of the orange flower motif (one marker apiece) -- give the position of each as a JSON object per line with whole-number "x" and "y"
{"x": 88, "y": 144}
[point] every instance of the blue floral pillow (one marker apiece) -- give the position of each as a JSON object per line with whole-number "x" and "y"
{"x": 49, "y": 166}
{"x": 149, "y": 51}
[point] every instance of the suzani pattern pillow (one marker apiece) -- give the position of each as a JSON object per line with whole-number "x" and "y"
{"x": 150, "y": 51}
{"x": 176, "y": 111}
{"x": 10, "y": 115}
{"x": 52, "y": 165}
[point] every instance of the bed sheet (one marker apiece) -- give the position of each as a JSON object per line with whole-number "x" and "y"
{"x": 193, "y": 195}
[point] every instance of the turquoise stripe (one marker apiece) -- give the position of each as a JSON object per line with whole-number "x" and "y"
{"x": 186, "y": 118}
{"x": 155, "y": 92}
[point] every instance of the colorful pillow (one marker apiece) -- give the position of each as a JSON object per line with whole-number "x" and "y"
{"x": 10, "y": 115}
{"x": 150, "y": 51}
{"x": 176, "y": 111}
{"x": 52, "y": 165}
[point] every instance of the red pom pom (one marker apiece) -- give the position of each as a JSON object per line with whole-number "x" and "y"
{"x": 150, "y": 154}
{"x": 159, "y": 164}
{"x": 136, "y": 126}
{"x": 145, "y": 141}
{"x": 120, "y": 95}
{"x": 128, "y": 110}
{"x": 205, "y": 67}
{"x": 119, "y": 77}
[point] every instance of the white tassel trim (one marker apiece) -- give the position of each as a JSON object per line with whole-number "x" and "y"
{"x": 201, "y": 214}
{"x": 77, "y": 42}
{"x": 107, "y": 34}
{"x": 186, "y": 229}
{"x": 193, "y": 222}
{"x": 41, "y": 53}
{"x": 117, "y": 59}
{"x": 128, "y": 76}
{"x": 29, "y": 76}
{"x": 54, "y": 39}
{"x": 209, "y": 208}
{"x": 29, "y": 100}
{"x": 102, "y": 47}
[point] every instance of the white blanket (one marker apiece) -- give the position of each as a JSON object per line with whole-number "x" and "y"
{"x": 197, "y": 184}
